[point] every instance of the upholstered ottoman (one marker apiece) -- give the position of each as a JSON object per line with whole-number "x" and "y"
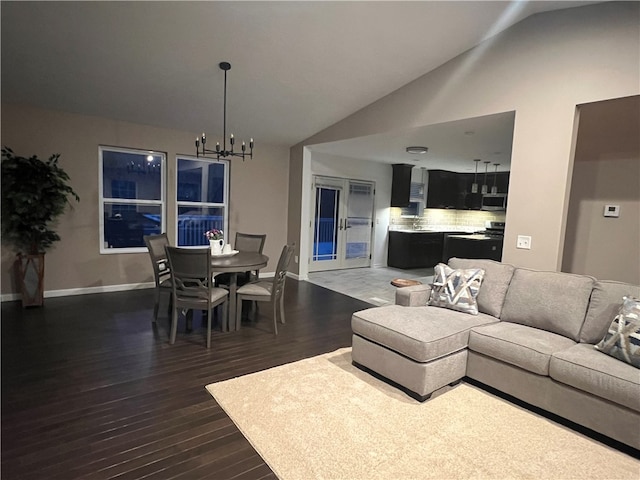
{"x": 420, "y": 352}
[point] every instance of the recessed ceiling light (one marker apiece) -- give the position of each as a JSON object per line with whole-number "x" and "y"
{"x": 417, "y": 150}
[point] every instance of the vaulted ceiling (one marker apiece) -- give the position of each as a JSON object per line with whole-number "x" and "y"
{"x": 297, "y": 67}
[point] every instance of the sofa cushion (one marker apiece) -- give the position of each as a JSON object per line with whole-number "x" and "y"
{"x": 456, "y": 289}
{"x": 420, "y": 333}
{"x": 495, "y": 283}
{"x": 622, "y": 341}
{"x": 519, "y": 345}
{"x": 606, "y": 300}
{"x": 586, "y": 369}
{"x": 552, "y": 301}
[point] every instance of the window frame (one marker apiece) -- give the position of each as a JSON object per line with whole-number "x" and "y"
{"x": 225, "y": 200}
{"x": 128, "y": 201}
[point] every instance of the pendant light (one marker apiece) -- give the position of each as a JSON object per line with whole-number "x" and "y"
{"x": 494, "y": 189}
{"x": 485, "y": 187}
{"x": 222, "y": 152}
{"x": 474, "y": 186}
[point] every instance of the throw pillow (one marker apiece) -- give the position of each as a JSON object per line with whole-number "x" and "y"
{"x": 456, "y": 289}
{"x": 622, "y": 341}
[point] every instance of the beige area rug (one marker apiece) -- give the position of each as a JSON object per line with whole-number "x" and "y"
{"x": 322, "y": 418}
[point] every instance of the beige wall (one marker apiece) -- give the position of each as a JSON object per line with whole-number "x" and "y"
{"x": 606, "y": 171}
{"x": 258, "y": 201}
{"x": 541, "y": 68}
{"x": 294, "y": 193}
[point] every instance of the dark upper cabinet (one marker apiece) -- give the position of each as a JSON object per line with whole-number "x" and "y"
{"x": 502, "y": 182}
{"x": 473, "y": 201}
{"x": 453, "y": 190}
{"x": 401, "y": 185}
{"x": 442, "y": 190}
{"x": 463, "y": 188}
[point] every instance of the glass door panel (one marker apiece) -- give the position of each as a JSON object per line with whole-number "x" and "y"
{"x": 359, "y": 224}
{"x": 342, "y": 224}
{"x": 326, "y": 218}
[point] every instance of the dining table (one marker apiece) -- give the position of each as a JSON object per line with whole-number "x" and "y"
{"x": 233, "y": 264}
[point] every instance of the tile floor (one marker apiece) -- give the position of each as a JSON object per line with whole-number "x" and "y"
{"x": 371, "y": 285}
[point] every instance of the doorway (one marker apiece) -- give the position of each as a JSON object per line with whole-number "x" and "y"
{"x": 342, "y": 223}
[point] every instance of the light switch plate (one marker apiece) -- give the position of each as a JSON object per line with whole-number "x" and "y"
{"x": 524, "y": 241}
{"x": 612, "y": 211}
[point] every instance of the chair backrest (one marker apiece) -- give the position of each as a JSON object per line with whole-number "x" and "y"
{"x": 250, "y": 242}
{"x": 281, "y": 271}
{"x": 191, "y": 271}
{"x": 155, "y": 244}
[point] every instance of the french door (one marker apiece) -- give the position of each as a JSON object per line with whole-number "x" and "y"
{"x": 342, "y": 223}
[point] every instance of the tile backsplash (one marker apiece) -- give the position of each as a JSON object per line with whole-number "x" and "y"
{"x": 445, "y": 219}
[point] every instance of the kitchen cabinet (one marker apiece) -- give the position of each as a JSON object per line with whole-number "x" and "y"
{"x": 414, "y": 249}
{"x": 453, "y": 190}
{"x": 500, "y": 180}
{"x": 472, "y": 246}
{"x": 401, "y": 184}
{"x": 442, "y": 189}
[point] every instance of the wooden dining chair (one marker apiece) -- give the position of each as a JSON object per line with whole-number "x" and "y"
{"x": 244, "y": 242}
{"x": 161, "y": 272}
{"x": 193, "y": 286}
{"x": 268, "y": 291}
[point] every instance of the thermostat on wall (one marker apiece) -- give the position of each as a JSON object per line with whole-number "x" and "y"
{"x": 612, "y": 210}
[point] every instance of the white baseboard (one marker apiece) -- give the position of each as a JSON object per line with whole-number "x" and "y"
{"x": 10, "y": 297}
{"x": 295, "y": 276}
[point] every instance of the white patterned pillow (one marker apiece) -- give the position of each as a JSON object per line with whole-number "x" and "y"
{"x": 456, "y": 289}
{"x": 622, "y": 341}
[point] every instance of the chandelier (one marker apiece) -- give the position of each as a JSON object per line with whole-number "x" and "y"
{"x": 221, "y": 151}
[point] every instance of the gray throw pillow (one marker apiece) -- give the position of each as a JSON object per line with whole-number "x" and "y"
{"x": 456, "y": 289}
{"x": 622, "y": 341}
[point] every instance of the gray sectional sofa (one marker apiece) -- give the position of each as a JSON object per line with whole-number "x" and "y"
{"x": 533, "y": 338}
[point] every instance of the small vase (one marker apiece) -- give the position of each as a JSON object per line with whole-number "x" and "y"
{"x": 216, "y": 246}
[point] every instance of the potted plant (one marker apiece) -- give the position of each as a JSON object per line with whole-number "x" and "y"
{"x": 34, "y": 194}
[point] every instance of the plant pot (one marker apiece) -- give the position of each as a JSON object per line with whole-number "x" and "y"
{"x": 30, "y": 279}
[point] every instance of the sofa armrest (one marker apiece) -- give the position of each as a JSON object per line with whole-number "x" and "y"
{"x": 413, "y": 296}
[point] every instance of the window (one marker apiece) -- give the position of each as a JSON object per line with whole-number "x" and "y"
{"x": 132, "y": 198}
{"x": 202, "y": 194}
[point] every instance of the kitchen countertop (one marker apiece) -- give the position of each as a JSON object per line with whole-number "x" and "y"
{"x": 433, "y": 230}
{"x": 478, "y": 236}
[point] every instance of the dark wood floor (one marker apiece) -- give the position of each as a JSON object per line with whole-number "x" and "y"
{"x": 91, "y": 389}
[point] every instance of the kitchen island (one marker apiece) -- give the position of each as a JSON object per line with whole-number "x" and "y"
{"x": 472, "y": 246}
{"x": 414, "y": 248}
{"x": 421, "y": 247}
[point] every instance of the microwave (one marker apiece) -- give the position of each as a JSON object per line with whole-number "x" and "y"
{"x": 494, "y": 201}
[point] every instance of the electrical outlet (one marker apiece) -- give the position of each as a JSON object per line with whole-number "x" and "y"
{"x": 524, "y": 241}
{"x": 295, "y": 258}
{"x": 612, "y": 211}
